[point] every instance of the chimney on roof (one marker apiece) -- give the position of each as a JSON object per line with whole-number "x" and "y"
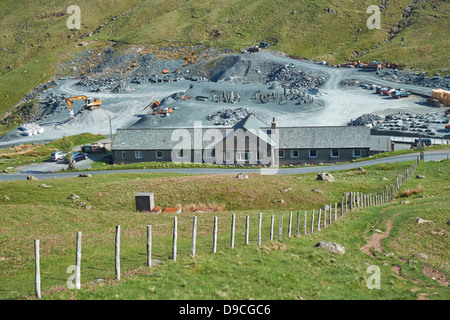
{"x": 274, "y": 124}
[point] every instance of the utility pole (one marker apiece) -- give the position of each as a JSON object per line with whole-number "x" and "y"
{"x": 110, "y": 128}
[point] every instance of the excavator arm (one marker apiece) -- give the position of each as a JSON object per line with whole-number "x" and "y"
{"x": 70, "y": 107}
{"x": 90, "y": 103}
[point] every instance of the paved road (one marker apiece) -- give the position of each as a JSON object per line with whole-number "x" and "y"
{"x": 429, "y": 156}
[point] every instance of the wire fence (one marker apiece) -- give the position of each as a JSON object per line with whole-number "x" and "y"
{"x": 206, "y": 234}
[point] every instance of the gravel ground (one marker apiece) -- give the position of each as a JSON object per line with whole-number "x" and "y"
{"x": 295, "y": 92}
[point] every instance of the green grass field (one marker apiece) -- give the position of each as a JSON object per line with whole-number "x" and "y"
{"x": 286, "y": 269}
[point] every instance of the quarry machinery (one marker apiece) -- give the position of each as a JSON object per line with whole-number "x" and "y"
{"x": 153, "y": 105}
{"x": 165, "y": 111}
{"x": 90, "y": 103}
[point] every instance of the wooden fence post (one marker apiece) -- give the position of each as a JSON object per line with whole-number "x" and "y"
{"x": 78, "y": 263}
{"x": 149, "y": 246}
{"x": 247, "y": 227}
{"x": 175, "y": 238}
{"x": 271, "y": 227}
{"x": 233, "y": 221}
{"x": 350, "y": 201}
{"x": 312, "y": 222}
{"x": 259, "y": 229}
{"x": 215, "y": 235}
{"x": 304, "y": 226}
{"x": 342, "y": 205}
{"x": 289, "y": 224}
{"x": 335, "y": 211}
{"x": 280, "y": 228}
{"x": 117, "y": 253}
{"x": 194, "y": 235}
{"x": 318, "y": 220}
{"x": 346, "y": 201}
{"x": 329, "y": 219}
{"x": 37, "y": 274}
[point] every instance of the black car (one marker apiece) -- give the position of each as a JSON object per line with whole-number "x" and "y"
{"x": 425, "y": 142}
{"x": 78, "y": 156}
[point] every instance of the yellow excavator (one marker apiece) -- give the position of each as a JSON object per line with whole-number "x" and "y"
{"x": 90, "y": 103}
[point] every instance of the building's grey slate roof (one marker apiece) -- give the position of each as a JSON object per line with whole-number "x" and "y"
{"x": 322, "y": 137}
{"x": 288, "y": 137}
{"x": 156, "y": 138}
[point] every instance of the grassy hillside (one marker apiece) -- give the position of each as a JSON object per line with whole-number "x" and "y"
{"x": 286, "y": 269}
{"x": 34, "y": 36}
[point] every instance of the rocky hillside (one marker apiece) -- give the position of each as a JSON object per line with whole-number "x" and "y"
{"x": 35, "y": 39}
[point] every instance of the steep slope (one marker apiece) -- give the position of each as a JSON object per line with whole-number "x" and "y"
{"x": 34, "y": 36}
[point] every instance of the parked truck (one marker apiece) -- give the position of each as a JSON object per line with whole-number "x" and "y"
{"x": 93, "y": 148}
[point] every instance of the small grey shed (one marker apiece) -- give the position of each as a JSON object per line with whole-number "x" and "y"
{"x": 145, "y": 201}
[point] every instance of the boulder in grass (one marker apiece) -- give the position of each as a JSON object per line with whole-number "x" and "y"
{"x": 331, "y": 246}
{"x": 325, "y": 177}
{"x": 32, "y": 178}
{"x": 421, "y": 221}
{"x": 85, "y": 175}
{"x": 242, "y": 176}
{"x": 74, "y": 197}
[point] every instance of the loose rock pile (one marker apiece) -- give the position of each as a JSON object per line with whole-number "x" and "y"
{"x": 292, "y": 78}
{"x": 418, "y": 79}
{"x": 410, "y": 124}
{"x": 228, "y": 117}
{"x": 114, "y": 84}
{"x": 122, "y": 87}
{"x": 349, "y": 82}
{"x": 368, "y": 119}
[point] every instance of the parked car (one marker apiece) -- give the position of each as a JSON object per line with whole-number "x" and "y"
{"x": 381, "y": 89}
{"x": 78, "y": 156}
{"x": 425, "y": 141}
{"x": 388, "y": 92}
{"x": 57, "y": 155}
{"x": 400, "y": 94}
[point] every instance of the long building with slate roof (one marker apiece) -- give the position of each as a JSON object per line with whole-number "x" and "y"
{"x": 249, "y": 142}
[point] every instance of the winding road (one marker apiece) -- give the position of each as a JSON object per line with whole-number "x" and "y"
{"x": 429, "y": 156}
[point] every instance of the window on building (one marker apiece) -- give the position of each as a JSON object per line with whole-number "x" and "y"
{"x": 208, "y": 153}
{"x": 295, "y": 153}
{"x": 138, "y": 154}
{"x": 181, "y": 154}
{"x": 124, "y": 154}
{"x": 159, "y": 154}
{"x": 357, "y": 153}
{"x": 243, "y": 156}
{"x": 280, "y": 153}
{"x": 313, "y": 153}
{"x": 335, "y": 153}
